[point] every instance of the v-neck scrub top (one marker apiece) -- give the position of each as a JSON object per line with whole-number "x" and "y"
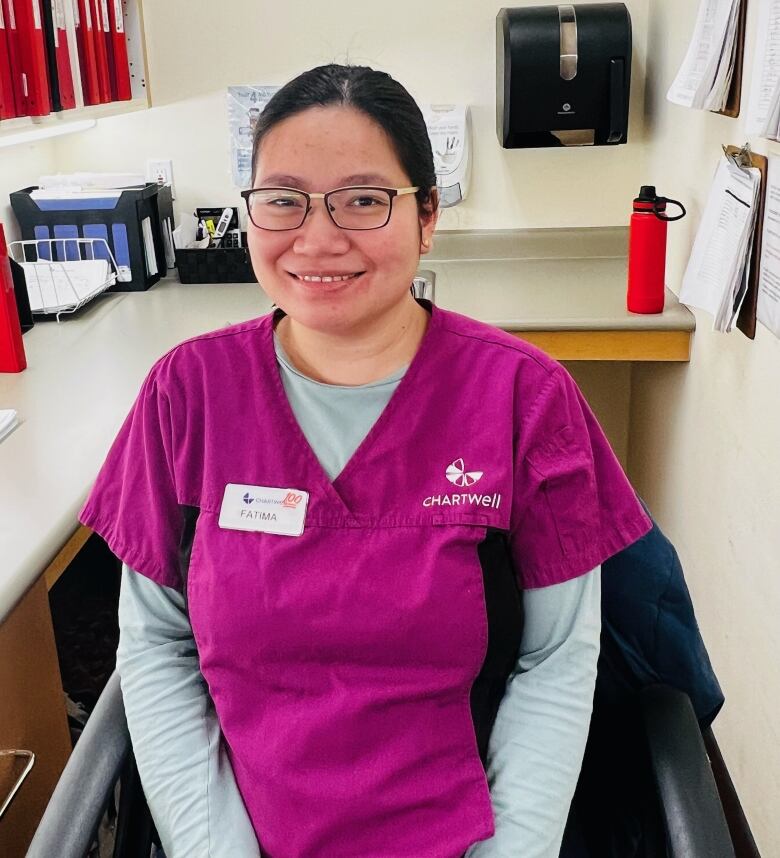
{"x": 343, "y": 662}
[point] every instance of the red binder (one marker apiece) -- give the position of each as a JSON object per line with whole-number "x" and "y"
{"x": 101, "y": 29}
{"x": 14, "y": 56}
{"x": 67, "y": 95}
{"x": 85, "y": 38}
{"x": 121, "y": 90}
{"x": 12, "y": 357}
{"x": 32, "y": 54}
{"x": 7, "y": 98}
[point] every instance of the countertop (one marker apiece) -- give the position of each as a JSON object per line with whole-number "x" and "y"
{"x": 84, "y": 372}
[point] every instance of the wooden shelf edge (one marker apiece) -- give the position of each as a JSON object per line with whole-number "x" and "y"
{"x": 66, "y": 554}
{"x": 612, "y": 345}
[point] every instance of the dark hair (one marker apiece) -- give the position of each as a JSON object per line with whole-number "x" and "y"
{"x": 375, "y": 94}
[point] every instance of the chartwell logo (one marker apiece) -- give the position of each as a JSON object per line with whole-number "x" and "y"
{"x": 456, "y": 473}
{"x": 248, "y": 498}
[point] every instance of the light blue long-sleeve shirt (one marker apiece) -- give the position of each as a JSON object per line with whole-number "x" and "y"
{"x": 538, "y": 739}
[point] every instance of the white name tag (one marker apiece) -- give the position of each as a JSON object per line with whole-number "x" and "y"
{"x": 264, "y": 509}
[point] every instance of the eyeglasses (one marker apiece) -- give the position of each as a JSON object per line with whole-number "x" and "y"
{"x": 349, "y": 208}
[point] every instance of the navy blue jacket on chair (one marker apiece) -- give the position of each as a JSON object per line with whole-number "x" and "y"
{"x": 649, "y": 636}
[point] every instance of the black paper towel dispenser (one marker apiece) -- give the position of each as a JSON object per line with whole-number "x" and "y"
{"x": 563, "y": 75}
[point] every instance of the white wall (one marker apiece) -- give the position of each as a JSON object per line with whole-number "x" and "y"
{"x": 441, "y": 51}
{"x": 705, "y": 445}
{"x": 20, "y": 167}
{"x": 704, "y": 436}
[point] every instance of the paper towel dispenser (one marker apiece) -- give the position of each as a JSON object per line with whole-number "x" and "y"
{"x": 563, "y": 75}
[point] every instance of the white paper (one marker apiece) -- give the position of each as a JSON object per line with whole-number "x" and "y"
{"x": 8, "y": 422}
{"x": 765, "y": 80}
{"x": 768, "y": 308}
{"x": 56, "y": 286}
{"x": 149, "y": 253}
{"x": 170, "y": 255}
{"x": 245, "y": 104}
{"x": 719, "y": 261}
{"x": 704, "y": 76}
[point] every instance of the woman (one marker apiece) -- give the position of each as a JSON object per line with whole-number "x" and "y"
{"x": 332, "y": 519}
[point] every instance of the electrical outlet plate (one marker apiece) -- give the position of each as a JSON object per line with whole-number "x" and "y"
{"x": 161, "y": 171}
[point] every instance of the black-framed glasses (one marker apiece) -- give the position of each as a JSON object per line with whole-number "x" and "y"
{"x": 349, "y": 208}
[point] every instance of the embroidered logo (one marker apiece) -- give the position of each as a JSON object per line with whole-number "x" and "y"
{"x": 457, "y": 474}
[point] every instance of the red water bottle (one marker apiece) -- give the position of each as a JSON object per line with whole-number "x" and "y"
{"x": 12, "y": 357}
{"x": 647, "y": 251}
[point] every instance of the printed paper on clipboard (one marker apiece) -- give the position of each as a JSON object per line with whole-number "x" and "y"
{"x": 715, "y": 279}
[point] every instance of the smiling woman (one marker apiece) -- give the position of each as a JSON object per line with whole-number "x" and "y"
{"x": 379, "y": 664}
{"x": 339, "y": 259}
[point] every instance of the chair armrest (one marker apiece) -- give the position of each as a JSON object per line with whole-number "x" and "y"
{"x": 689, "y": 802}
{"x": 77, "y": 804}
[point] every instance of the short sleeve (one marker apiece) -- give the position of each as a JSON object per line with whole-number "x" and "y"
{"x": 572, "y": 505}
{"x": 133, "y": 504}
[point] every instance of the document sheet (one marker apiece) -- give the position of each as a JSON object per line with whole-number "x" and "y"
{"x": 8, "y": 422}
{"x": 704, "y": 78}
{"x": 716, "y": 277}
{"x": 58, "y": 286}
{"x": 763, "y": 118}
{"x": 768, "y": 308}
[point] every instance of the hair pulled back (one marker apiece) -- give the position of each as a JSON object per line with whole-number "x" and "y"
{"x": 374, "y": 93}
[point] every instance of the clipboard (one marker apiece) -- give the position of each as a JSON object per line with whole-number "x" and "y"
{"x": 733, "y": 99}
{"x": 746, "y": 320}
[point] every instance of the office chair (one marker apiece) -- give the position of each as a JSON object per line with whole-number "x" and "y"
{"x": 683, "y": 815}
{"x": 102, "y": 758}
{"x": 646, "y": 788}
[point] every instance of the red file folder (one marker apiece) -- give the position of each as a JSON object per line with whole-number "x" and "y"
{"x": 101, "y": 29}
{"x": 121, "y": 78}
{"x": 85, "y": 38}
{"x": 7, "y": 98}
{"x": 12, "y": 357}
{"x": 14, "y": 56}
{"x": 32, "y": 58}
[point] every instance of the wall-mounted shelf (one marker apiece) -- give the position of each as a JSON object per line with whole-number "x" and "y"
{"x": 139, "y": 82}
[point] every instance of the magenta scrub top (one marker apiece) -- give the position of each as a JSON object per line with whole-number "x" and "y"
{"x": 344, "y": 627}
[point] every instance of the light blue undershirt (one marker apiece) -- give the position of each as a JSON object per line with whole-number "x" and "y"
{"x": 538, "y": 739}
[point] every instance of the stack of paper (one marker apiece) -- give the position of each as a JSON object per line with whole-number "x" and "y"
{"x": 768, "y": 304}
{"x": 764, "y": 110}
{"x": 8, "y": 422}
{"x": 716, "y": 277}
{"x": 54, "y": 287}
{"x": 704, "y": 78}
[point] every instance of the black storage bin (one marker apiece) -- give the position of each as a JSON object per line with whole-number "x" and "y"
{"x": 117, "y": 220}
{"x": 215, "y": 265}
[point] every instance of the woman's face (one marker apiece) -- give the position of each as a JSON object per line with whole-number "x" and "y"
{"x": 318, "y": 150}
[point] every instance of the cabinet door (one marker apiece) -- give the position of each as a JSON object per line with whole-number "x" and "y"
{"x": 32, "y": 717}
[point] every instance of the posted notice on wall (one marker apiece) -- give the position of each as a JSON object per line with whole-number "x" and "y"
{"x": 245, "y": 104}
{"x": 768, "y": 308}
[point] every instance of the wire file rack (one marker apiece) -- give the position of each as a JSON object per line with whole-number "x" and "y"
{"x": 57, "y": 283}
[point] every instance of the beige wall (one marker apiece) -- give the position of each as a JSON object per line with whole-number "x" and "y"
{"x": 442, "y": 51}
{"x": 20, "y": 166}
{"x": 704, "y": 437}
{"x": 705, "y": 446}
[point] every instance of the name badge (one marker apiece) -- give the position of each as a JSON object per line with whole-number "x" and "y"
{"x": 264, "y": 509}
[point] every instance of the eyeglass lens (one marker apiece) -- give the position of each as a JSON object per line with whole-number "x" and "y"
{"x": 350, "y": 208}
